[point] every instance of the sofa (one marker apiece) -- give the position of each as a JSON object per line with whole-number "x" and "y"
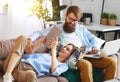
{"x": 69, "y": 76}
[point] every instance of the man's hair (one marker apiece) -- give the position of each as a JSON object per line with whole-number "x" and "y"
{"x": 76, "y": 10}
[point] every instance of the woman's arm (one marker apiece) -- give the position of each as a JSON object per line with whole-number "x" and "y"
{"x": 53, "y": 44}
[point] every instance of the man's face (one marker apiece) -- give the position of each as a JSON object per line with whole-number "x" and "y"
{"x": 70, "y": 23}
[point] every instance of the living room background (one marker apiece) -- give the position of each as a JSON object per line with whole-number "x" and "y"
{"x": 16, "y": 21}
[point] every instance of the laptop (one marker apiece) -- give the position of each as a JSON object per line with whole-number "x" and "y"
{"x": 110, "y": 48}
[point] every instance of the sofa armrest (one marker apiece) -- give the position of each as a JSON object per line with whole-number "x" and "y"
{"x": 118, "y": 63}
{"x": 117, "y": 59}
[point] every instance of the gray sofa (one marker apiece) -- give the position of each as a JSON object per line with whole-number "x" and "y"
{"x": 6, "y": 45}
{"x": 47, "y": 78}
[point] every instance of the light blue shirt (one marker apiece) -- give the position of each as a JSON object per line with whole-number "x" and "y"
{"x": 41, "y": 62}
{"x": 86, "y": 37}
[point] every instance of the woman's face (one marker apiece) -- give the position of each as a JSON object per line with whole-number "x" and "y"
{"x": 66, "y": 51}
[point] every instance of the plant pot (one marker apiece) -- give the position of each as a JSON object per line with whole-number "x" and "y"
{"x": 112, "y": 22}
{"x": 104, "y": 21}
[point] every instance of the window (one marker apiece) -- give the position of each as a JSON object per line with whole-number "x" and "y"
{"x": 3, "y": 3}
{"x": 41, "y": 9}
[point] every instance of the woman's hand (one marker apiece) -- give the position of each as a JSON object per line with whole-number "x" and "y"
{"x": 53, "y": 43}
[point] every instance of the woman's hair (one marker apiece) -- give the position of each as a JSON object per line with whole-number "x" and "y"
{"x": 76, "y": 10}
{"x": 74, "y": 48}
{"x": 60, "y": 46}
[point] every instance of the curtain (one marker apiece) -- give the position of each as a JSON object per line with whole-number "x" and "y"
{"x": 19, "y": 21}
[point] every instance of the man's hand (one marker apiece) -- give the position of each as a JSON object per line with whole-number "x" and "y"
{"x": 94, "y": 50}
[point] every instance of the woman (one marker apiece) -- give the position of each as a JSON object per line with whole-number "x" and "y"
{"x": 34, "y": 65}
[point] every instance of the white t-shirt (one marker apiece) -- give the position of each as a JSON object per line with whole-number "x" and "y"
{"x": 72, "y": 38}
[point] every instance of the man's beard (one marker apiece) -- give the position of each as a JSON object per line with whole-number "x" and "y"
{"x": 68, "y": 27}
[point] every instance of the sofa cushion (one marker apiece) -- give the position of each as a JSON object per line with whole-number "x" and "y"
{"x": 62, "y": 79}
{"x": 47, "y": 79}
{"x": 78, "y": 54}
{"x": 5, "y": 47}
{"x": 52, "y": 79}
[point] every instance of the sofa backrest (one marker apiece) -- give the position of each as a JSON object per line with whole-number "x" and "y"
{"x": 5, "y": 47}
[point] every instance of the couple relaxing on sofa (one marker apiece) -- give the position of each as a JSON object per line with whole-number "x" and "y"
{"x": 72, "y": 32}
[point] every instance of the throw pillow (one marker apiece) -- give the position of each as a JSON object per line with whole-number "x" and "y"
{"x": 77, "y": 55}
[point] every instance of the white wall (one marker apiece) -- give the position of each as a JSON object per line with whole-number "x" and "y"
{"x": 89, "y": 6}
{"x": 3, "y": 25}
{"x": 113, "y": 7}
{"x": 95, "y": 7}
{"x": 12, "y": 26}
{"x": 17, "y": 21}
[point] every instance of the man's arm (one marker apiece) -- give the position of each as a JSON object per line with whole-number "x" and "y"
{"x": 92, "y": 40}
{"x": 94, "y": 43}
{"x": 89, "y": 40}
{"x": 37, "y": 34}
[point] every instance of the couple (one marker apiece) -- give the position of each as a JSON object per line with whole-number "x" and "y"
{"x": 74, "y": 33}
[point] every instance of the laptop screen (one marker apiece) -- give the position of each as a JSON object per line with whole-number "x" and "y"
{"x": 112, "y": 47}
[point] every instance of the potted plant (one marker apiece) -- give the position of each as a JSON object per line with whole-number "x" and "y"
{"x": 104, "y": 18}
{"x": 112, "y": 19}
{"x": 41, "y": 11}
